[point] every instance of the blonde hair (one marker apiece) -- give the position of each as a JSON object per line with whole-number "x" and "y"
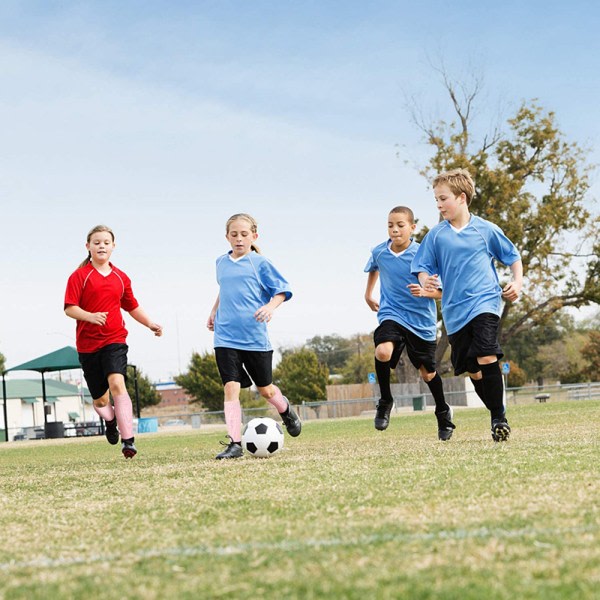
{"x": 459, "y": 181}
{"x": 253, "y": 226}
{"x": 97, "y": 229}
{"x": 404, "y": 210}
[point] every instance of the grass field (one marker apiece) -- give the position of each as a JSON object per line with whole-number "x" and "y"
{"x": 343, "y": 512}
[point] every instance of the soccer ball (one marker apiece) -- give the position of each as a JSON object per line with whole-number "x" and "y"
{"x": 262, "y": 437}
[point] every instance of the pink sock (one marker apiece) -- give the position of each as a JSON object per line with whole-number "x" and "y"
{"x": 106, "y": 412}
{"x": 279, "y": 401}
{"x": 124, "y": 414}
{"x": 233, "y": 419}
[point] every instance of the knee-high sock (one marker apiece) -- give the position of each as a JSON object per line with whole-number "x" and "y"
{"x": 124, "y": 414}
{"x": 233, "y": 419}
{"x": 478, "y": 385}
{"x": 493, "y": 389}
{"x": 436, "y": 387}
{"x": 106, "y": 412}
{"x": 279, "y": 401}
{"x": 382, "y": 369}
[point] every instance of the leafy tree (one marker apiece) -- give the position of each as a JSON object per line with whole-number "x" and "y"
{"x": 202, "y": 381}
{"x": 331, "y": 350}
{"x": 147, "y": 394}
{"x": 362, "y": 362}
{"x": 533, "y": 183}
{"x": 301, "y": 377}
{"x": 2, "y": 363}
{"x": 591, "y": 354}
{"x": 562, "y": 358}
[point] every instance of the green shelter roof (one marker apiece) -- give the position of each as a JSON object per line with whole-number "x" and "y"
{"x": 28, "y": 389}
{"x": 59, "y": 360}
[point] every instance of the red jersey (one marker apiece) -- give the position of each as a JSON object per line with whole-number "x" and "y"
{"x": 94, "y": 292}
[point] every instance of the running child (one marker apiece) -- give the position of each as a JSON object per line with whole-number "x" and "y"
{"x": 96, "y": 293}
{"x": 407, "y": 318}
{"x": 250, "y": 289}
{"x": 461, "y": 249}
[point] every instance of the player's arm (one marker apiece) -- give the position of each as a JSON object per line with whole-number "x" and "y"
{"x": 264, "y": 313}
{"x": 512, "y": 290}
{"x": 371, "y": 281}
{"x": 77, "y": 313}
{"x": 139, "y": 314}
{"x": 210, "y": 323}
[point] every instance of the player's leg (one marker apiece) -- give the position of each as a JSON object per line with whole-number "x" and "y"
{"x": 114, "y": 364}
{"x": 230, "y": 367}
{"x": 97, "y": 384}
{"x": 389, "y": 344}
{"x": 487, "y": 351}
{"x": 260, "y": 368}
{"x": 421, "y": 354}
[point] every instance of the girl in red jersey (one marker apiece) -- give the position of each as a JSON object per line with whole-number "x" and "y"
{"x": 96, "y": 293}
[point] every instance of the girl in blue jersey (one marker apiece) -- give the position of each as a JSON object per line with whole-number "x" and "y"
{"x": 461, "y": 249}
{"x": 407, "y": 318}
{"x": 250, "y": 289}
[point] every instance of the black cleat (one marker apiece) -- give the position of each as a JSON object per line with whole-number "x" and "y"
{"x": 233, "y": 450}
{"x": 382, "y": 415}
{"x": 111, "y": 432}
{"x": 128, "y": 449}
{"x": 500, "y": 430}
{"x": 445, "y": 425}
{"x": 292, "y": 421}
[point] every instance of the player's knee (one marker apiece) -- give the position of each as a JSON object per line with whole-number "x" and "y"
{"x": 426, "y": 376}
{"x": 116, "y": 384}
{"x": 383, "y": 353}
{"x": 102, "y": 401}
{"x": 268, "y": 391}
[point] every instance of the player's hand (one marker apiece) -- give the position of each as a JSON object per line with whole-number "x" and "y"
{"x": 511, "y": 291}
{"x": 263, "y": 314}
{"x": 416, "y": 290}
{"x": 98, "y": 318}
{"x": 210, "y": 323}
{"x": 373, "y": 304}
{"x": 156, "y": 328}
{"x": 432, "y": 283}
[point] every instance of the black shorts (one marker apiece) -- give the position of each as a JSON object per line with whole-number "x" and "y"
{"x": 420, "y": 352}
{"x": 97, "y": 366}
{"x": 245, "y": 366}
{"x": 479, "y": 337}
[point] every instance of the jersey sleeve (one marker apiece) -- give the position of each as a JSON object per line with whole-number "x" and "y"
{"x": 128, "y": 300}
{"x": 501, "y": 248}
{"x": 74, "y": 289}
{"x": 425, "y": 260}
{"x": 273, "y": 281}
{"x": 371, "y": 264}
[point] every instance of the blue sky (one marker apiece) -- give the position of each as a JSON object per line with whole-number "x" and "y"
{"x": 161, "y": 119}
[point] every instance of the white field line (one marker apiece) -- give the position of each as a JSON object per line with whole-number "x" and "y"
{"x": 297, "y": 545}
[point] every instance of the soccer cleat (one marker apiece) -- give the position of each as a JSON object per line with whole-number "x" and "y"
{"x": 111, "y": 432}
{"x": 291, "y": 421}
{"x": 233, "y": 450}
{"x": 382, "y": 415}
{"x": 445, "y": 425}
{"x": 500, "y": 430}
{"x": 128, "y": 449}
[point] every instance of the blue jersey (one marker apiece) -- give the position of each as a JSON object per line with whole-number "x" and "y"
{"x": 245, "y": 285}
{"x": 464, "y": 260}
{"x": 417, "y": 314}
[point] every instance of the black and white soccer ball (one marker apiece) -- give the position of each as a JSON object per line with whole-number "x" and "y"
{"x": 262, "y": 437}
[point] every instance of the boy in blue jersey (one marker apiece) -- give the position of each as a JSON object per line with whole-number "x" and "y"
{"x": 461, "y": 249}
{"x": 407, "y": 318}
{"x": 250, "y": 289}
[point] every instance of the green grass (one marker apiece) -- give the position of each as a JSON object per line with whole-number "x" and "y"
{"x": 344, "y": 512}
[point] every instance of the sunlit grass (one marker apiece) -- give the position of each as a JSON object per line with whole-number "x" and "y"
{"x": 343, "y": 512}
